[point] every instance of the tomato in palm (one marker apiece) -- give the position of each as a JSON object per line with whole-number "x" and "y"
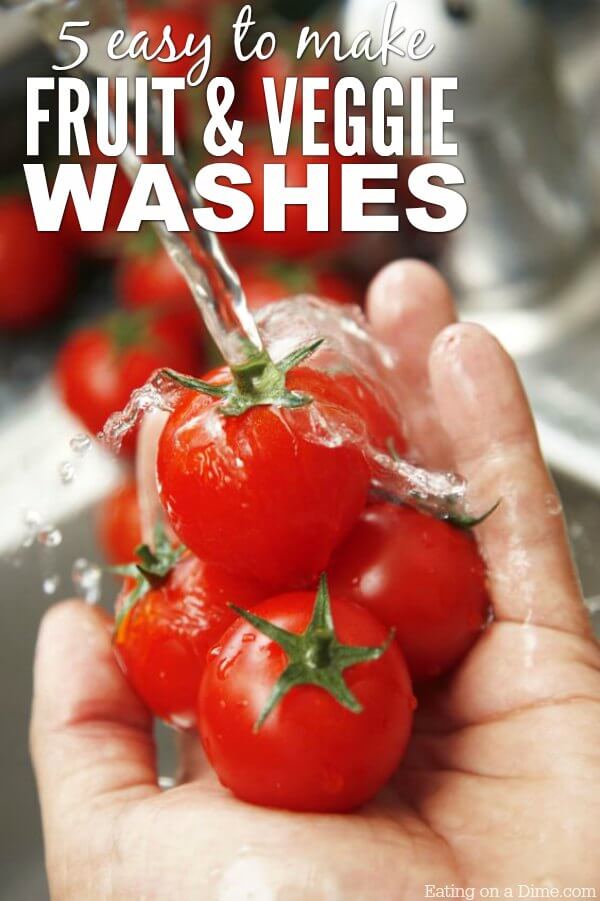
{"x": 118, "y": 524}
{"x": 278, "y": 488}
{"x": 99, "y": 366}
{"x": 163, "y": 636}
{"x": 264, "y": 283}
{"x": 150, "y": 280}
{"x": 274, "y": 502}
{"x": 312, "y": 718}
{"x": 420, "y": 575}
{"x": 36, "y": 268}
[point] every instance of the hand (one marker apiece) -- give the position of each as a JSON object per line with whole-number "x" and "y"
{"x": 501, "y": 782}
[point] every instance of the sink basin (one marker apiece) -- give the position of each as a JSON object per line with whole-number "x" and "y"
{"x": 20, "y": 836}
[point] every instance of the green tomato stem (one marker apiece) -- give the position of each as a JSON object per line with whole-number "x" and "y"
{"x": 315, "y": 657}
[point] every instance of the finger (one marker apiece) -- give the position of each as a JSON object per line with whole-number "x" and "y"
{"x": 485, "y": 413}
{"x": 409, "y": 303}
{"x": 90, "y": 734}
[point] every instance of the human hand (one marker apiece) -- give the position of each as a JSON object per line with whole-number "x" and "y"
{"x": 501, "y": 782}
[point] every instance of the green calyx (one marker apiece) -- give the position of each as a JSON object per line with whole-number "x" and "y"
{"x": 151, "y": 572}
{"x": 464, "y": 520}
{"x": 258, "y": 382}
{"x": 450, "y": 513}
{"x": 315, "y": 657}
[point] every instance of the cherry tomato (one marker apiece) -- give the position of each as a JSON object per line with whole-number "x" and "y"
{"x": 118, "y": 524}
{"x": 274, "y": 502}
{"x": 99, "y": 366}
{"x": 152, "y": 281}
{"x": 36, "y": 268}
{"x": 419, "y": 575}
{"x": 295, "y": 241}
{"x": 316, "y": 749}
{"x": 265, "y": 284}
{"x": 163, "y": 640}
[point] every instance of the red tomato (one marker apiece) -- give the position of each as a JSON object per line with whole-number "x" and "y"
{"x": 379, "y": 418}
{"x": 279, "y": 66}
{"x": 36, "y": 268}
{"x": 310, "y": 753}
{"x": 118, "y": 524}
{"x": 163, "y": 641}
{"x": 151, "y": 280}
{"x": 296, "y": 240}
{"x": 265, "y": 284}
{"x": 419, "y": 575}
{"x": 274, "y": 502}
{"x": 99, "y": 366}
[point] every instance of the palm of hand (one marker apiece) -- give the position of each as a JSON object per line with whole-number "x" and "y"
{"x": 481, "y": 799}
{"x": 497, "y": 786}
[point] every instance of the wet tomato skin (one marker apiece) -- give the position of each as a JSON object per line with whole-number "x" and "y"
{"x": 163, "y": 642}
{"x": 274, "y": 502}
{"x": 311, "y": 754}
{"x": 419, "y": 575}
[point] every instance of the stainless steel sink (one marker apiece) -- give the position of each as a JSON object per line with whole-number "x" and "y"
{"x": 21, "y": 864}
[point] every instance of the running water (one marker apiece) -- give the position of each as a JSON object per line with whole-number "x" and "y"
{"x": 198, "y": 254}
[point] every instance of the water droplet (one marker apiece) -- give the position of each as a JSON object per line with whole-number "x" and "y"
{"x": 33, "y": 521}
{"x": 553, "y": 504}
{"x": 66, "y": 471}
{"x": 87, "y": 579}
{"x": 32, "y": 518}
{"x": 166, "y": 782}
{"x": 224, "y": 666}
{"x": 80, "y": 444}
{"x": 50, "y": 584}
{"x": 49, "y": 536}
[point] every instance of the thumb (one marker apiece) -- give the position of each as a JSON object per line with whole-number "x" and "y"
{"x": 90, "y": 734}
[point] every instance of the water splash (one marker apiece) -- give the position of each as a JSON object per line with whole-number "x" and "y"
{"x": 349, "y": 348}
{"x": 159, "y": 393}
